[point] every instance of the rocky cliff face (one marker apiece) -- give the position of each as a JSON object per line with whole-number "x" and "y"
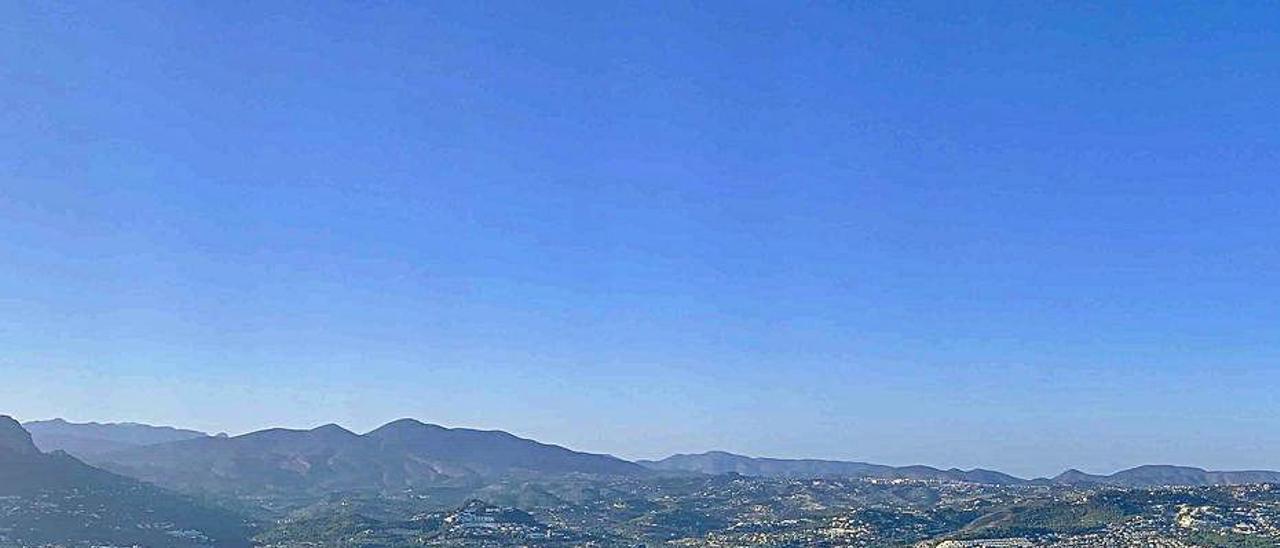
{"x": 14, "y": 439}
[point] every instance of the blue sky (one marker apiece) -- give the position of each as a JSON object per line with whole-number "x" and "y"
{"x": 1010, "y": 235}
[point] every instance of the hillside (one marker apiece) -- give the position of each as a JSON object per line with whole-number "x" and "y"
{"x": 55, "y": 498}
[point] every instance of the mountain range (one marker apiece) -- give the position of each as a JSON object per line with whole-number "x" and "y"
{"x": 399, "y": 455}
{"x": 1152, "y": 475}
{"x": 719, "y": 462}
{"x": 410, "y": 454}
{"x": 83, "y": 439}
{"x": 412, "y": 483}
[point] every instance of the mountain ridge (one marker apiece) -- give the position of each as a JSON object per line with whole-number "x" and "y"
{"x": 1153, "y": 475}
{"x": 402, "y": 454}
{"x": 722, "y": 462}
{"x": 85, "y": 439}
{"x": 408, "y": 452}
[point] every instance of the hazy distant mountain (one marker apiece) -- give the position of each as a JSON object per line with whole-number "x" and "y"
{"x": 58, "y": 500}
{"x": 719, "y": 462}
{"x": 405, "y": 453}
{"x": 87, "y": 439}
{"x": 1157, "y": 475}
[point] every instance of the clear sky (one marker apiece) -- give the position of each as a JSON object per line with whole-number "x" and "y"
{"x": 1025, "y": 235}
